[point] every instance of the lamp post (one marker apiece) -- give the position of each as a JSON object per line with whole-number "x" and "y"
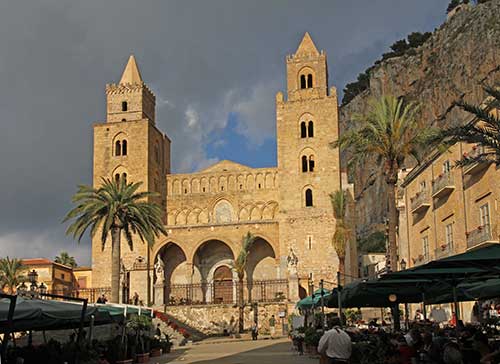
{"x": 395, "y": 311}
{"x": 402, "y": 264}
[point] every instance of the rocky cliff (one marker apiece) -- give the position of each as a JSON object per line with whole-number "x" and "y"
{"x": 463, "y": 53}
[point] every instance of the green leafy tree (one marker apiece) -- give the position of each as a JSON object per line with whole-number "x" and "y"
{"x": 483, "y": 130}
{"x": 66, "y": 259}
{"x": 239, "y": 267}
{"x": 11, "y": 274}
{"x": 416, "y": 39}
{"x": 342, "y": 232}
{"x": 115, "y": 209}
{"x": 391, "y": 132}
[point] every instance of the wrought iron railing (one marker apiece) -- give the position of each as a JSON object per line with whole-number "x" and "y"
{"x": 92, "y": 294}
{"x": 441, "y": 182}
{"x": 420, "y": 199}
{"x": 443, "y": 251}
{"x": 221, "y": 292}
{"x": 478, "y": 236}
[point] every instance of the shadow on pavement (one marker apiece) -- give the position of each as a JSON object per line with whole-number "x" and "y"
{"x": 271, "y": 354}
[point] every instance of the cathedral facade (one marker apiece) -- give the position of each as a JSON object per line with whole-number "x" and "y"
{"x": 207, "y": 213}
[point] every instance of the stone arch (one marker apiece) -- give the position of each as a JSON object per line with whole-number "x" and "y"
{"x": 308, "y": 156}
{"x": 261, "y": 265}
{"x": 203, "y": 217}
{"x": 119, "y": 137}
{"x": 186, "y": 188}
{"x": 213, "y": 184}
{"x": 241, "y": 182}
{"x": 176, "y": 187}
{"x": 243, "y": 214}
{"x": 207, "y": 258}
{"x": 195, "y": 185}
{"x": 259, "y": 181}
{"x": 223, "y": 212}
{"x": 250, "y": 182}
{"x": 269, "y": 210}
{"x": 176, "y": 270}
{"x": 255, "y": 213}
{"x": 306, "y": 195}
{"x": 181, "y": 218}
{"x": 269, "y": 180}
{"x": 204, "y": 185}
{"x": 192, "y": 217}
{"x": 118, "y": 173}
{"x": 304, "y": 74}
{"x": 222, "y": 184}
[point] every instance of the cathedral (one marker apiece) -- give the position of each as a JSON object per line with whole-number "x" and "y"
{"x": 207, "y": 213}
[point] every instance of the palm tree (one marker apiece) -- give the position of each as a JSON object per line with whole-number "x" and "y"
{"x": 114, "y": 208}
{"x": 239, "y": 267}
{"x": 342, "y": 233}
{"x": 483, "y": 130}
{"x": 66, "y": 259}
{"x": 11, "y": 273}
{"x": 391, "y": 132}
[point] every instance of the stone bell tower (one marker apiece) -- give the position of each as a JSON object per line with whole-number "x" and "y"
{"x": 308, "y": 167}
{"x": 129, "y": 146}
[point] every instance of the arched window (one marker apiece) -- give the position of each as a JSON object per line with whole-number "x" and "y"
{"x": 124, "y": 147}
{"x": 124, "y": 119}
{"x": 124, "y": 106}
{"x": 303, "y": 131}
{"x": 304, "y": 163}
{"x": 309, "y": 197}
{"x": 311, "y": 163}
{"x": 124, "y": 177}
{"x": 118, "y": 148}
{"x": 303, "y": 81}
{"x": 310, "y": 129}
{"x": 309, "y": 81}
{"x": 117, "y": 178}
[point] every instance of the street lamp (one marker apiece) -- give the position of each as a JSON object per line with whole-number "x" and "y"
{"x": 22, "y": 288}
{"x": 33, "y": 276}
{"x": 42, "y": 288}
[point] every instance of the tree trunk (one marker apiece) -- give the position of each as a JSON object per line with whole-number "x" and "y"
{"x": 342, "y": 269}
{"x": 115, "y": 264}
{"x": 393, "y": 223}
{"x": 240, "y": 305}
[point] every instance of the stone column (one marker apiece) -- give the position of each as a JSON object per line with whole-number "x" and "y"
{"x": 159, "y": 293}
{"x": 293, "y": 286}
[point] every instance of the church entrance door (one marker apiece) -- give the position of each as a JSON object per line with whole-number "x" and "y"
{"x": 223, "y": 285}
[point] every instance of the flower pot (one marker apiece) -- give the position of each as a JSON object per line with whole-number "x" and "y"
{"x": 126, "y": 361}
{"x": 155, "y": 352}
{"x": 142, "y": 358}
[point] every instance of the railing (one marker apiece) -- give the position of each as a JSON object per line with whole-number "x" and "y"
{"x": 478, "y": 236}
{"x": 226, "y": 292}
{"x": 421, "y": 259}
{"x": 420, "y": 201}
{"x": 92, "y": 294}
{"x": 442, "y": 183}
{"x": 472, "y": 168}
{"x": 443, "y": 251}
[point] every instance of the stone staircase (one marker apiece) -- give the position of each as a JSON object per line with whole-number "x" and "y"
{"x": 178, "y": 332}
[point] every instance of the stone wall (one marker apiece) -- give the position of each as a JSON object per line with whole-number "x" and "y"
{"x": 214, "y": 319}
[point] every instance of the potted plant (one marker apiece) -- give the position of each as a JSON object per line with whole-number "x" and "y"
{"x": 118, "y": 350}
{"x": 311, "y": 340}
{"x": 140, "y": 325}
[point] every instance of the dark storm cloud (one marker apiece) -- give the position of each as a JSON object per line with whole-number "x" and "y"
{"x": 203, "y": 59}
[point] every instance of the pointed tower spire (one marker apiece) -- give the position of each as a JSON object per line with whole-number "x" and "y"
{"x": 131, "y": 73}
{"x": 307, "y": 46}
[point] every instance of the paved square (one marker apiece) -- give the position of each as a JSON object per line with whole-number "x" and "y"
{"x": 242, "y": 352}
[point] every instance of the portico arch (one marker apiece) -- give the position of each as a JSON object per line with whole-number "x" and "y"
{"x": 175, "y": 270}
{"x": 261, "y": 266}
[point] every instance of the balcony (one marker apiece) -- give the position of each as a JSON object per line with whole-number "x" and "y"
{"x": 480, "y": 237}
{"x": 443, "y": 251}
{"x": 442, "y": 185}
{"x": 420, "y": 202}
{"x": 473, "y": 168}
{"x": 421, "y": 259}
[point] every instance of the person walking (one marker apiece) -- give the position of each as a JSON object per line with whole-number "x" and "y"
{"x": 135, "y": 300}
{"x": 335, "y": 344}
{"x": 272, "y": 326}
{"x": 255, "y": 330}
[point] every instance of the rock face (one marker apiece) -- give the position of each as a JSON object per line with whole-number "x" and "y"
{"x": 463, "y": 53}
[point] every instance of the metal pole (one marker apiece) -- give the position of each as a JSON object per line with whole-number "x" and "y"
{"x": 10, "y": 325}
{"x": 339, "y": 299}
{"x": 424, "y": 307}
{"x": 323, "y": 317}
{"x": 455, "y": 304}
